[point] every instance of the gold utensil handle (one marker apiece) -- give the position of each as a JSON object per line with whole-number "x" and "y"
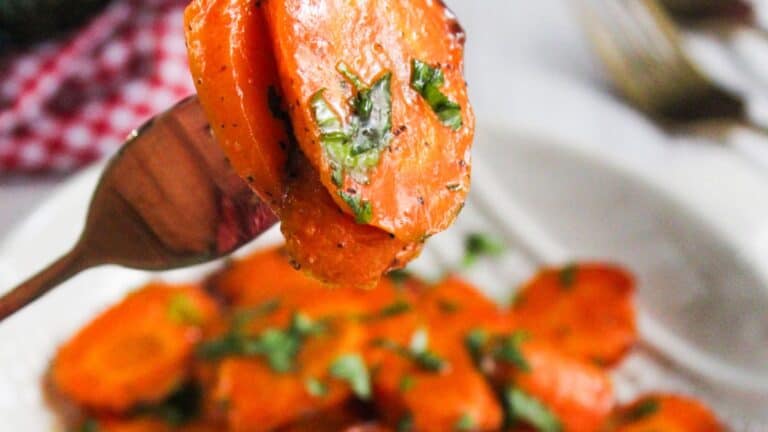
{"x": 33, "y": 288}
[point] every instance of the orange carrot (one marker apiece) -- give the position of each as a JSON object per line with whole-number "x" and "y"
{"x": 414, "y": 173}
{"x": 329, "y": 244}
{"x": 437, "y": 389}
{"x": 665, "y": 413}
{"x": 573, "y": 394}
{"x": 138, "y": 351}
{"x": 236, "y": 78}
{"x": 586, "y": 310}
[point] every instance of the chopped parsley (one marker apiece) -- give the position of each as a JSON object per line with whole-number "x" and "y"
{"x": 89, "y": 425}
{"x": 278, "y": 347}
{"x": 507, "y": 349}
{"x": 567, "y": 276}
{"x": 316, "y": 387}
{"x": 398, "y": 307}
{"x": 182, "y": 310}
{"x": 475, "y": 342}
{"x": 181, "y": 407}
{"x": 406, "y": 383}
{"x": 362, "y": 209}
{"x": 356, "y": 147}
{"x": 352, "y": 369}
{"x": 465, "y": 423}
{"x": 405, "y": 424}
{"x": 645, "y": 408}
{"x": 417, "y": 351}
{"x": 477, "y": 245}
{"x": 522, "y": 407}
{"x": 399, "y": 277}
{"x": 427, "y": 80}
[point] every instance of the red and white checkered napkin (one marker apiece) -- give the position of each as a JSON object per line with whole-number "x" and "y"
{"x": 66, "y": 103}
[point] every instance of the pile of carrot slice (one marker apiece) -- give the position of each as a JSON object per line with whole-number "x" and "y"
{"x": 261, "y": 347}
{"x": 350, "y": 119}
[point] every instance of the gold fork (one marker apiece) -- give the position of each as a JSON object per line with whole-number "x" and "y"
{"x": 168, "y": 199}
{"x": 640, "y": 47}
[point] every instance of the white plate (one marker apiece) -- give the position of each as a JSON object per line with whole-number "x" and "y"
{"x": 691, "y": 223}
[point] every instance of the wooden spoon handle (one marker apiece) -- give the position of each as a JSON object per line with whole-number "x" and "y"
{"x": 33, "y": 288}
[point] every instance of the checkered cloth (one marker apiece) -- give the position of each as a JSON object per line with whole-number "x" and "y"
{"x": 66, "y": 103}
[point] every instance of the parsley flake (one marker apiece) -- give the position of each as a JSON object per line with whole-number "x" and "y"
{"x": 567, "y": 276}
{"x": 405, "y": 424}
{"x": 352, "y": 369}
{"x": 316, "y": 387}
{"x": 465, "y": 423}
{"x": 475, "y": 342}
{"x": 645, "y": 408}
{"x": 525, "y": 408}
{"x": 508, "y": 350}
{"x": 427, "y": 80}
{"x": 477, "y": 245}
{"x": 362, "y": 209}
{"x": 406, "y": 383}
{"x": 356, "y": 147}
{"x": 417, "y": 351}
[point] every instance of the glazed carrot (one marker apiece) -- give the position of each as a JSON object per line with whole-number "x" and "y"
{"x": 138, "y": 351}
{"x": 328, "y": 243}
{"x": 458, "y": 306}
{"x": 434, "y": 387}
{"x": 257, "y": 396}
{"x": 586, "y": 310}
{"x": 236, "y": 78}
{"x": 268, "y": 276}
{"x": 565, "y": 393}
{"x": 665, "y": 413}
{"x": 397, "y": 157}
{"x": 263, "y": 276}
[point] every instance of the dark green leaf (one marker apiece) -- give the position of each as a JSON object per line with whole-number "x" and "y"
{"x": 399, "y": 277}
{"x": 646, "y": 408}
{"x": 352, "y": 369}
{"x": 179, "y": 408}
{"x": 362, "y": 209}
{"x": 475, "y": 342}
{"x": 358, "y": 146}
{"x": 427, "y": 80}
{"x": 567, "y": 276}
{"x": 525, "y": 408}
{"x": 508, "y": 350}
{"x": 477, "y": 245}
{"x": 405, "y": 424}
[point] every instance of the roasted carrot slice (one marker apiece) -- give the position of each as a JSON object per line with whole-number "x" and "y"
{"x": 263, "y": 276}
{"x": 665, "y": 413}
{"x": 431, "y": 384}
{"x": 544, "y": 388}
{"x": 586, "y": 310}
{"x": 236, "y": 78}
{"x": 268, "y": 276}
{"x": 397, "y": 157}
{"x": 138, "y": 351}
{"x": 458, "y": 306}
{"x": 257, "y": 394}
{"x": 328, "y": 243}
